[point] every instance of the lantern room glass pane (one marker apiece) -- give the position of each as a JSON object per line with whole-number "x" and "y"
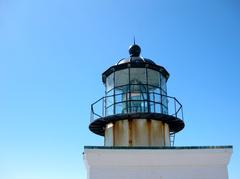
{"x": 164, "y": 93}
{"x": 119, "y": 108}
{"x": 118, "y": 98}
{"x": 109, "y": 110}
{"x": 121, "y": 77}
{"x": 153, "y": 78}
{"x": 138, "y": 76}
{"x": 164, "y": 104}
{"x": 109, "y": 82}
{"x": 138, "y": 88}
{"x": 121, "y": 89}
{"x": 110, "y": 92}
{"x": 109, "y": 101}
{"x": 157, "y": 97}
{"x": 152, "y": 107}
{"x": 138, "y": 96}
{"x": 157, "y": 107}
{"x": 163, "y": 83}
{"x": 164, "y": 110}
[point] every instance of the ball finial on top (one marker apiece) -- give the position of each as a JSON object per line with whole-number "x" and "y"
{"x": 134, "y": 50}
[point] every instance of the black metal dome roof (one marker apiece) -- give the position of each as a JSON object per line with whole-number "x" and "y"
{"x": 135, "y": 60}
{"x": 134, "y": 51}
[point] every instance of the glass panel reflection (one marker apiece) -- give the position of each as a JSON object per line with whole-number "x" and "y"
{"x": 138, "y": 76}
{"x": 153, "y": 78}
{"x": 109, "y": 82}
{"x": 163, "y": 84}
{"x": 119, "y": 108}
{"x": 109, "y": 101}
{"x": 110, "y": 110}
{"x": 121, "y": 77}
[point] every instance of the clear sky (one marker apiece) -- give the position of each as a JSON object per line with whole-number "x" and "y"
{"x": 52, "y": 54}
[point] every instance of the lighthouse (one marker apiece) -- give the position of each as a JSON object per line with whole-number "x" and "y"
{"x": 139, "y": 120}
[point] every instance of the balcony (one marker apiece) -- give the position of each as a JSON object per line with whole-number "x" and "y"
{"x": 122, "y": 104}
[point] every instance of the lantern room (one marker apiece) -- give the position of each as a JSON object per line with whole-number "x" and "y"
{"x": 136, "y": 109}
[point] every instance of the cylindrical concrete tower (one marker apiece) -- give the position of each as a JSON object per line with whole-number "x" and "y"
{"x": 136, "y": 110}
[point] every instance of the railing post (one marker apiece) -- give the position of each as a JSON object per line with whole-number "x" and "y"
{"x": 92, "y": 114}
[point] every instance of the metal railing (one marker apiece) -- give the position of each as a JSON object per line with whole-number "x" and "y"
{"x": 146, "y": 103}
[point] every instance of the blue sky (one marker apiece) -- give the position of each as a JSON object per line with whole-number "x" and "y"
{"x": 52, "y": 54}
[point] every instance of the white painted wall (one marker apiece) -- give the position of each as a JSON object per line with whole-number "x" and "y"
{"x": 157, "y": 163}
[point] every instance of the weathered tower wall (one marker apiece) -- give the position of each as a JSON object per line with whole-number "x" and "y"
{"x": 137, "y": 132}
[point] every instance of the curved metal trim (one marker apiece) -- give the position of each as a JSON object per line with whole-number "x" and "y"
{"x": 98, "y": 125}
{"x": 134, "y": 65}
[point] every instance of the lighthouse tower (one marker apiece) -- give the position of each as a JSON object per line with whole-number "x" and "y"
{"x": 136, "y": 110}
{"x": 138, "y": 121}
